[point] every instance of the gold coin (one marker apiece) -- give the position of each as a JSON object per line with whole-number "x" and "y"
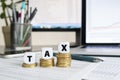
{"x": 63, "y": 60}
{"x": 29, "y": 65}
{"x": 63, "y": 65}
{"x": 47, "y": 62}
{"x": 63, "y": 55}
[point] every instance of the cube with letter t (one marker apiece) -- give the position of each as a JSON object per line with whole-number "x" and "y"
{"x": 29, "y": 58}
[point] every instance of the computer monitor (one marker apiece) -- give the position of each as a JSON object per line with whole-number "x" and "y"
{"x": 100, "y": 22}
{"x": 57, "y": 15}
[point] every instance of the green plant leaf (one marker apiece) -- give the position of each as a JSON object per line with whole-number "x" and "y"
{"x": 2, "y": 15}
{"x": 10, "y": 6}
{"x": 2, "y": 0}
{"x": 3, "y": 5}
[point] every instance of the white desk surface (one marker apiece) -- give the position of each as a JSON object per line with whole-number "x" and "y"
{"x": 10, "y": 69}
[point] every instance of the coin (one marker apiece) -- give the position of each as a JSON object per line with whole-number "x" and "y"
{"x": 29, "y": 65}
{"x": 47, "y": 62}
{"x": 63, "y": 60}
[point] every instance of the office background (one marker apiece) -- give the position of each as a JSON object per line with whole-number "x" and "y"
{"x": 53, "y": 38}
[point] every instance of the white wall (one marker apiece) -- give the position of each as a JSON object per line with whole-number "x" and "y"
{"x": 57, "y": 11}
{"x": 53, "y": 38}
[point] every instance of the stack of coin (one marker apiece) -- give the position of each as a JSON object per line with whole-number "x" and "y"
{"x": 63, "y": 60}
{"x": 47, "y": 62}
{"x": 29, "y": 65}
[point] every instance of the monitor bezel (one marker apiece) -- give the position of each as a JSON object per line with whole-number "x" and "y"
{"x": 83, "y": 28}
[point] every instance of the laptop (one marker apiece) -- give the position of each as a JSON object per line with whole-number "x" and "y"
{"x": 101, "y": 26}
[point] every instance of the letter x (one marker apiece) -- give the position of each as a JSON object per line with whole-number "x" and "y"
{"x": 64, "y": 47}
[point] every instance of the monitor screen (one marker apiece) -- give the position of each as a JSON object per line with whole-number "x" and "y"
{"x": 56, "y": 14}
{"x": 101, "y": 21}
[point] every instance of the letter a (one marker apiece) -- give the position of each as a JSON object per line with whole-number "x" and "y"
{"x": 47, "y": 53}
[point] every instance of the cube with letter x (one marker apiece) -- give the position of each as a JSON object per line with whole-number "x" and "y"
{"x": 47, "y": 53}
{"x": 64, "y": 47}
{"x": 29, "y": 58}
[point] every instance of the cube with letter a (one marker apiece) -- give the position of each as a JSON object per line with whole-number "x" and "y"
{"x": 29, "y": 58}
{"x": 64, "y": 47}
{"x": 47, "y": 53}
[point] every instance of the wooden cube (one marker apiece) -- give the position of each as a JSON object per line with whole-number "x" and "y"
{"x": 64, "y": 47}
{"x": 47, "y": 53}
{"x": 29, "y": 58}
